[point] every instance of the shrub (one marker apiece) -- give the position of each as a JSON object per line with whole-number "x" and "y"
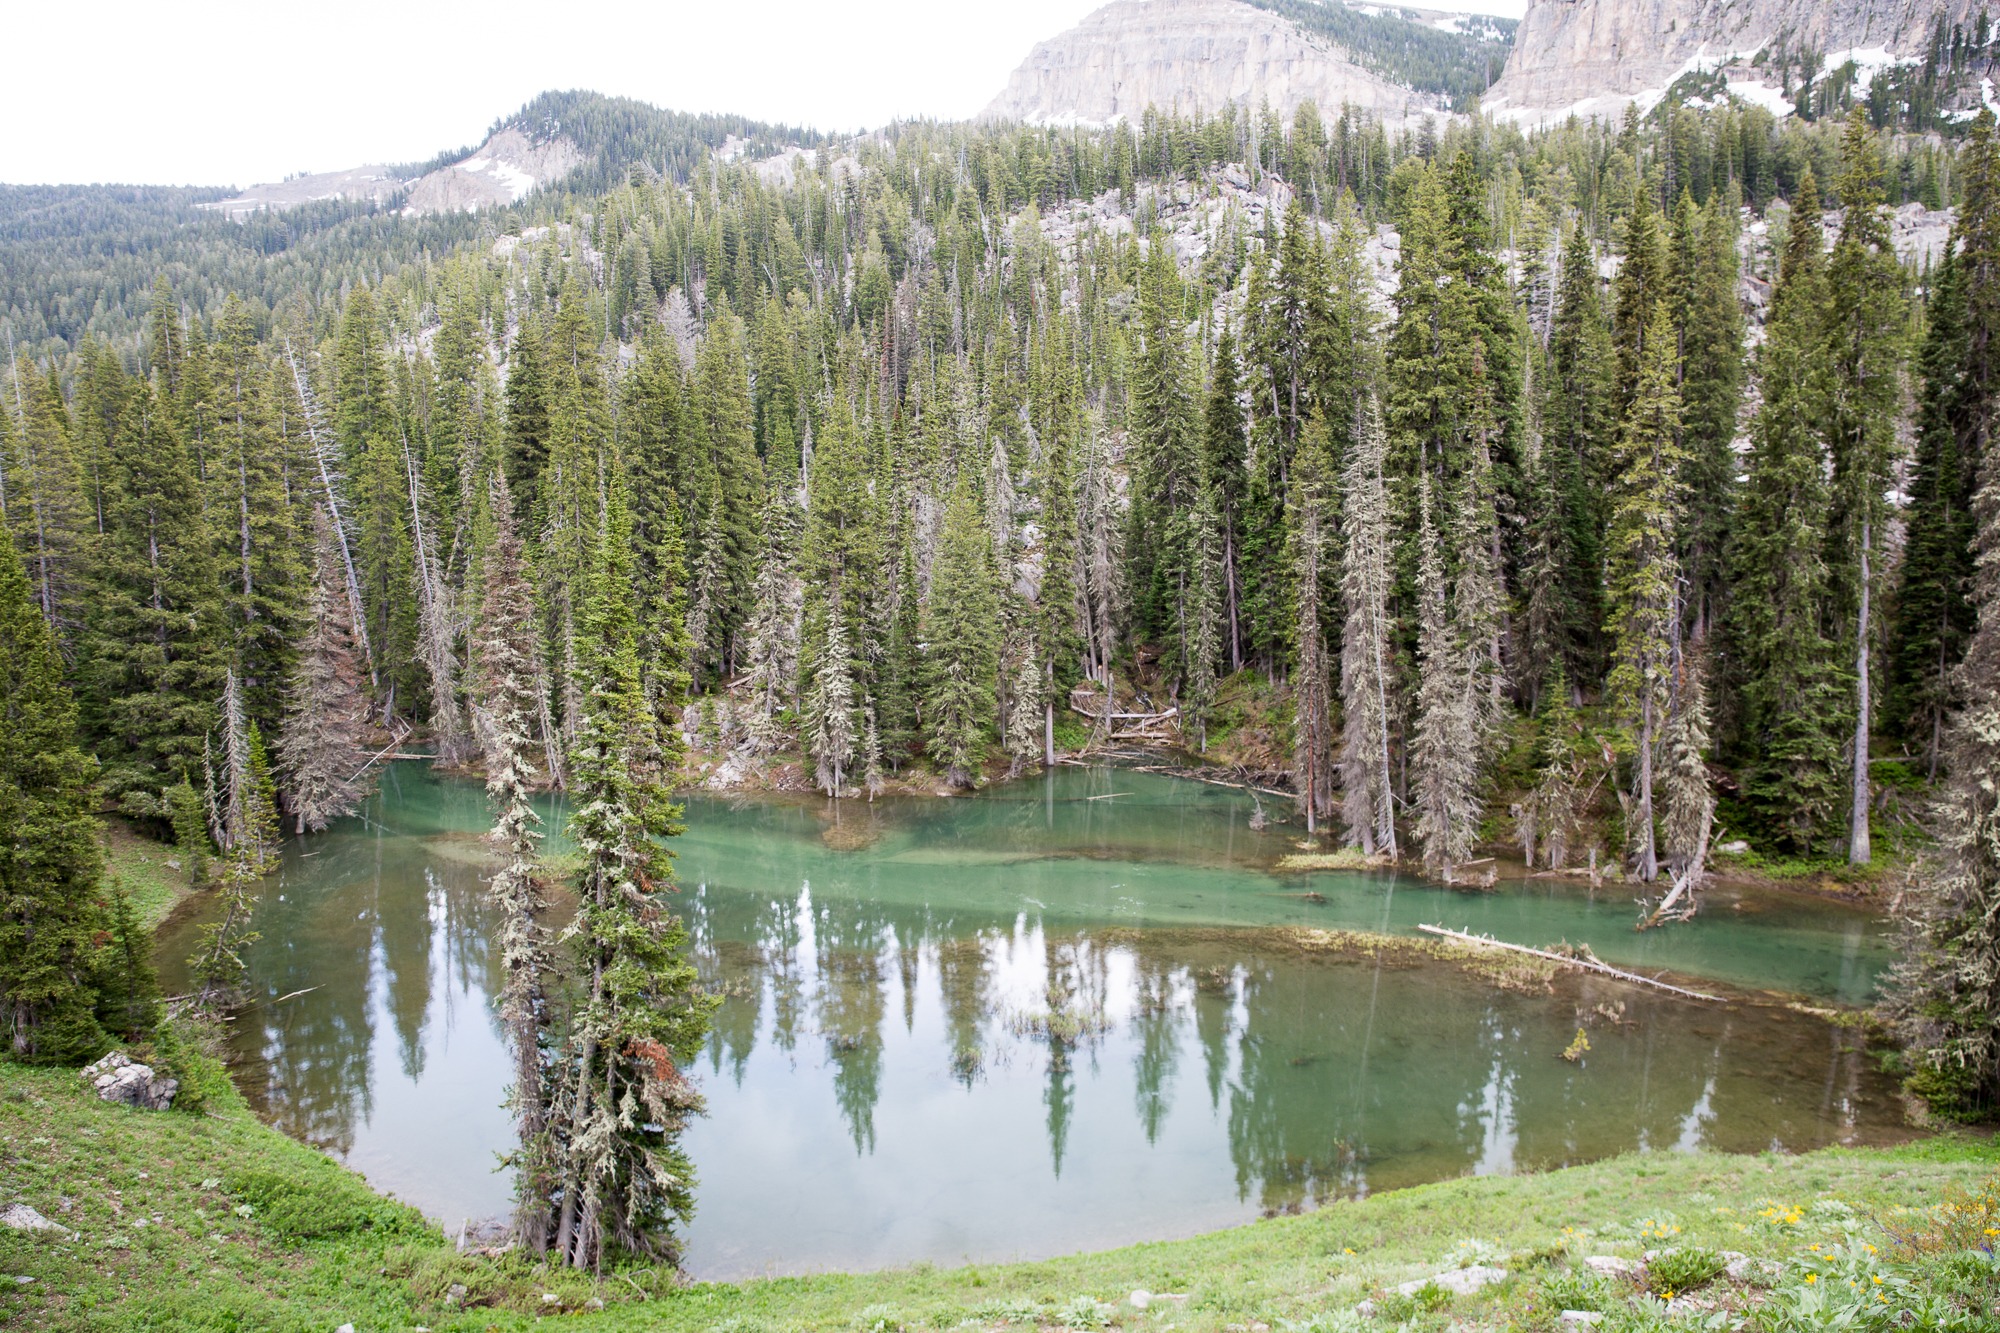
{"x": 1682, "y": 1269}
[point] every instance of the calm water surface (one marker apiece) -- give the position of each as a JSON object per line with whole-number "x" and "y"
{"x": 880, "y": 1083}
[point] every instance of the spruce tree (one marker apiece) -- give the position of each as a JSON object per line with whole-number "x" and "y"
{"x": 1643, "y": 576}
{"x": 509, "y": 693}
{"x": 1312, "y": 527}
{"x": 51, "y": 870}
{"x": 1780, "y": 658}
{"x": 831, "y": 730}
{"x": 1367, "y": 649}
{"x": 1944, "y": 994}
{"x": 621, "y": 1100}
{"x": 1443, "y": 739}
{"x": 1865, "y": 317}
{"x": 155, "y": 661}
{"x": 320, "y": 751}
{"x": 961, "y": 635}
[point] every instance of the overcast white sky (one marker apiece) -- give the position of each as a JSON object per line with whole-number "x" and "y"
{"x": 220, "y": 92}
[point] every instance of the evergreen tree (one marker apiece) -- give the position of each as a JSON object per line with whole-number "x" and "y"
{"x": 1781, "y": 658}
{"x": 1708, "y": 322}
{"x": 50, "y": 865}
{"x": 1944, "y": 995}
{"x": 830, "y": 727}
{"x": 1643, "y": 577}
{"x": 1579, "y": 430}
{"x": 961, "y": 636}
{"x": 1367, "y": 648}
{"x": 1931, "y": 618}
{"x": 1312, "y": 525}
{"x": 621, "y": 1100}
{"x": 509, "y": 697}
{"x": 1690, "y": 796}
{"x": 1443, "y": 743}
{"x": 156, "y": 643}
{"x": 320, "y": 750}
{"x": 1865, "y": 317}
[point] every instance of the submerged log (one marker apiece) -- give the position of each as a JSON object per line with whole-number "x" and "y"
{"x": 1590, "y": 964}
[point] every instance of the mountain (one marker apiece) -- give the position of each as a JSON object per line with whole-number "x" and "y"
{"x": 1399, "y": 64}
{"x": 1594, "y": 57}
{"x": 581, "y": 139}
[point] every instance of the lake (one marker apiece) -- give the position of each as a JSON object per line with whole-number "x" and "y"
{"x": 1067, "y": 1012}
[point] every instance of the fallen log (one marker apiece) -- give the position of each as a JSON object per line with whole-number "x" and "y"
{"x": 1590, "y": 964}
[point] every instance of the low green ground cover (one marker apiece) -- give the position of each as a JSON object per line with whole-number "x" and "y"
{"x": 213, "y": 1221}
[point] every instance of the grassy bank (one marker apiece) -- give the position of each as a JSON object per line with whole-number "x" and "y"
{"x": 216, "y": 1222}
{"x": 149, "y": 871}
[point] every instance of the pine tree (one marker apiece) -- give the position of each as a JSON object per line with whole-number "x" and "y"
{"x": 1931, "y": 617}
{"x": 1443, "y": 743}
{"x": 1201, "y": 613}
{"x": 1367, "y": 646}
{"x": 509, "y": 674}
{"x": 320, "y": 750}
{"x": 1550, "y": 814}
{"x": 128, "y": 989}
{"x": 772, "y": 649}
{"x": 1643, "y": 577}
{"x": 830, "y": 728}
{"x": 1708, "y": 323}
{"x": 1024, "y": 712}
{"x": 1944, "y": 995}
{"x": 1579, "y": 434}
{"x": 1312, "y": 525}
{"x": 509, "y": 697}
{"x": 1224, "y": 449}
{"x": 1865, "y": 318}
{"x": 1690, "y": 795}
{"x": 155, "y": 658}
{"x": 45, "y": 483}
{"x": 961, "y": 634}
{"x": 252, "y": 476}
{"x": 1781, "y": 659}
{"x": 50, "y": 865}
{"x": 621, "y": 1100}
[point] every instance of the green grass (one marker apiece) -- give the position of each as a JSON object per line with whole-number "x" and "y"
{"x": 140, "y": 864}
{"x": 245, "y": 1229}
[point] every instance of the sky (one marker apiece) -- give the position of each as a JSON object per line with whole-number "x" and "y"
{"x": 224, "y": 92}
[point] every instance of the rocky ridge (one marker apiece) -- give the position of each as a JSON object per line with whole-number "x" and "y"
{"x": 501, "y": 170}
{"x": 1193, "y": 54}
{"x": 1595, "y": 57}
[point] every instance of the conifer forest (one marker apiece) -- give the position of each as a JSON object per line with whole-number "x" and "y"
{"x": 1615, "y": 501}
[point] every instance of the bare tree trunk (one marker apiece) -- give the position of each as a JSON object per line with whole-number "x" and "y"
{"x": 1649, "y": 856}
{"x": 309, "y": 412}
{"x": 1859, "y": 851}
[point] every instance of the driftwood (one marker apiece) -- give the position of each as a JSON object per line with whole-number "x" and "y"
{"x": 1590, "y": 964}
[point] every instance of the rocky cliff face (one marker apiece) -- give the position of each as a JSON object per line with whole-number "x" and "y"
{"x": 1194, "y": 54}
{"x": 1593, "y": 57}
{"x": 505, "y": 167}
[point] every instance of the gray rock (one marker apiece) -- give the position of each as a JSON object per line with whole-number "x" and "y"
{"x": 1457, "y": 1281}
{"x": 1366, "y": 1309}
{"x": 1735, "y": 848}
{"x": 1611, "y": 1265}
{"x": 20, "y": 1217}
{"x": 118, "y": 1078}
{"x": 1139, "y": 1300}
{"x": 1579, "y": 1318}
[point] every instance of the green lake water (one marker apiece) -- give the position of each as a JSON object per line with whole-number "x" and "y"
{"x": 881, "y": 1091}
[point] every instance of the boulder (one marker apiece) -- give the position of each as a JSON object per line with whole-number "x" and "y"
{"x": 1579, "y": 1318}
{"x": 1610, "y": 1265}
{"x": 20, "y": 1217}
{"x": 118, "y": 1078}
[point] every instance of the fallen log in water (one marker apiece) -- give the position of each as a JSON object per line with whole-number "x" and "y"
{"x": 1591, "y": 964}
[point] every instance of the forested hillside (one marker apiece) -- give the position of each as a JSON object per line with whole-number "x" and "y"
{"x": 951, "y": 443}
